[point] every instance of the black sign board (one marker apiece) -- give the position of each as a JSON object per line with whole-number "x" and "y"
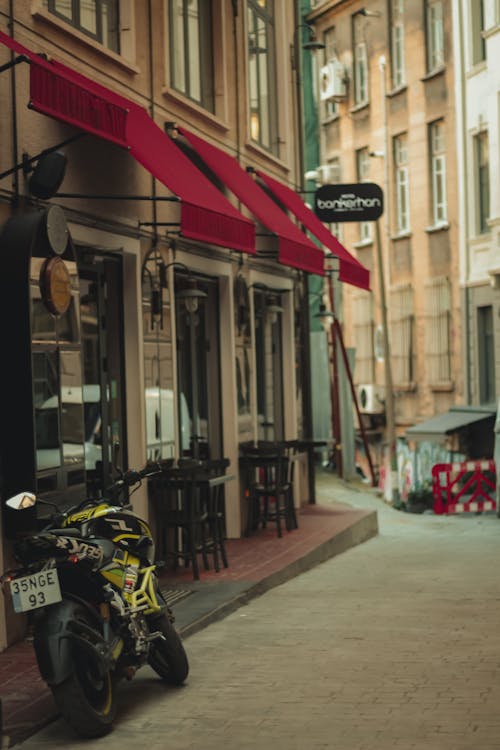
{"x": 362, "y": 201}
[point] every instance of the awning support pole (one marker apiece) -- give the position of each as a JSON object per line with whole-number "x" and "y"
{"x": 28, "y": 161}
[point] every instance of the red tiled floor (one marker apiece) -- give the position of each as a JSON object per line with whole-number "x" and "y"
{"x": 262, "y": 554}
{"x": 27, "y": 703}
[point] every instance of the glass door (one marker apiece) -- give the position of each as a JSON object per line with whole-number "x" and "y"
{"x": 199, "y": 369}
{"x": 103, "y": 366}
{"x": 269, "y": 365}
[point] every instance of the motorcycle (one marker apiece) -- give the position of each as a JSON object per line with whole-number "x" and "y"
{"x": 89, "y": 580}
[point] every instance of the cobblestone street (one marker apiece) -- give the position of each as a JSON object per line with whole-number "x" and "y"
{"x": 392, "y": 644}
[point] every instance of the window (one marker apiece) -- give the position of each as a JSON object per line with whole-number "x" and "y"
{"x": 158, "y": 365}
{"x": 437, "y": 331}
{"x": 261, "y": 64}
{"x": 482, "y": 181}
{"x": 364, "y": 336}
{"x": 360, "y": 62}
{"x": 400, "y": 151}
{"x": 478, "y": 44}
{"x": 397, "y": 44}
{"x": 330, "y": 108}
{"x": 486, "y": 355}
{"x": 191, "y": 50}
{"x": 402, "y": 332}
{"x": 438, "y": 172}
{"x": 98, "y": 19}
{"x": 435, "y": 35}
{"x": 363, "y": 172}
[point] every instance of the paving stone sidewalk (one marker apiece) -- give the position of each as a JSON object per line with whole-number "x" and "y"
{"x": 257, "y": 564}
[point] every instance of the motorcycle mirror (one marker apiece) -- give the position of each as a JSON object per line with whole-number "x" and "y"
{"x": 21, "y": 501}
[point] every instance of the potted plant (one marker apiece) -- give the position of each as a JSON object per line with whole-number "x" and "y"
{"x": 420, "y": 498}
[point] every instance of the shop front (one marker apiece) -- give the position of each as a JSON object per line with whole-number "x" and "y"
{"x": 129, "y": 342}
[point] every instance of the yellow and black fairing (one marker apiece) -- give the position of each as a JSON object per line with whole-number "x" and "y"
{"x": 123, "y": 527}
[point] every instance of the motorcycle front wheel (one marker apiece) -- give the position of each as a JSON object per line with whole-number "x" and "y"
{"x": 167, "y": 655}
{"x": 86, "y": 699}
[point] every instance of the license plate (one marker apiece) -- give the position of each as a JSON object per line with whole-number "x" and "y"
{"x": 36, "y": 590}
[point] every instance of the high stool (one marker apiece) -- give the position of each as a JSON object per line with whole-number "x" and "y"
{"x": 180, "y": 507}
{"x": 267, "y": 487}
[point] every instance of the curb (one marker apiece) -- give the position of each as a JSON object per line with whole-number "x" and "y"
{"x": 363, "y": 529}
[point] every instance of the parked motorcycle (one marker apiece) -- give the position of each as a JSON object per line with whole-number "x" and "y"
{"x": 90, "y": 580}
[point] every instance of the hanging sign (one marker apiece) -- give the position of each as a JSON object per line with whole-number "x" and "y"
{"x": 55, "y": 285}
{"x": 362, "y": 201}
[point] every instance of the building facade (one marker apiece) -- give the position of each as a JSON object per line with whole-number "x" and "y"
{"x": 154, "y": 294}
{"x": 477, "y": 60}
{"x": 386, "y": 92}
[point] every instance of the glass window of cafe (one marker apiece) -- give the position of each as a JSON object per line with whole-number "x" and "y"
{"x": 158, "y": 361}
{"x": 57, "y": 387}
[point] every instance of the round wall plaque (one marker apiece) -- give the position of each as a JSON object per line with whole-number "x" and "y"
{"x": 55, "y": 285}
{"x": 57, "y": 229}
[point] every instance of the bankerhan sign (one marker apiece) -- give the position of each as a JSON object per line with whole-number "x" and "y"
{"x": 363, "y": 201}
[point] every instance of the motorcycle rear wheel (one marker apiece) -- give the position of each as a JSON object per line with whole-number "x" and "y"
{"x": 86, "y": 699}
{"x": 167, "y": 657}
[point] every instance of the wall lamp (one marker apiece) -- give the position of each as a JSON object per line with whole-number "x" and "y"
{"x": 326, "y": 316}
{"x": 313, "y": 44}
{"x": 155, "y": 270}
{"x": 271, "y": 307}
{"x": 369, "y": 13}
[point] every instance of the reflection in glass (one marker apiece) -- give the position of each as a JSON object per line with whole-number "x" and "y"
{"x": 71, "y": 407}
{"x": 46, "y": 402}
{"x": 158, "y": 380}
{"x": 42, "y": 322}
{"x": 67, "y": 324}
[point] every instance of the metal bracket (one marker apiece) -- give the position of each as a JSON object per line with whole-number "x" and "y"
{"x": 20, "y": 59}
{"x": 29, "y": 160}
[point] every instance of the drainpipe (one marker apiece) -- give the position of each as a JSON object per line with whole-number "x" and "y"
{"x": 152, "y": 111}
{"x": 236, "y": 78}
{"x": 461, "y": 91}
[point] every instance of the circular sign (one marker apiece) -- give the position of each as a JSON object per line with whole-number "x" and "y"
{"x": 55, "y": 285}
{"x": 57, "y": 229}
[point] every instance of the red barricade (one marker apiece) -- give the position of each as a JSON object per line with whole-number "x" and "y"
{"x": 467, "y": 487}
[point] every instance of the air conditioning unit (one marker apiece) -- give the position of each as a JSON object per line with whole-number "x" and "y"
{"x": 371, "y": 398}
{"x": 332, "y": 81}
{"x": 328, "y": 173}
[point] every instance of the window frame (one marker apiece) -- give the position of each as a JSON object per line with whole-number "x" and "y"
{"x": 362, "y": 173}
{"x": 402, "y": 331}
{"x": 434, "y": 24}
{"x": 397, "y": 44}
{"x": 364, "y": 332}
{"x": 330, "y": 107}
{"x": 401, "y": 183}
{"x": 438, "y": 331}
{"x": 262, "y": 112}
{"x": 75, "y": 20}
{"x": 477, "y": 28}
{"x": 486, "y": 380}
{"x": 437, "y": 152}
{"x": 360, "y": 63}
{"x": 197, "y": 52}
{"x": 481, "y": 148}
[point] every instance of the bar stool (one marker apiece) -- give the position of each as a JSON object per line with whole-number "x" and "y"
{"x": 209, "y": 476}
{"x": 268, "y": 490}
{"x": 180, "y": 509}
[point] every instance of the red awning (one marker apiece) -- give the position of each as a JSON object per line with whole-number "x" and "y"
{"x": 295, "y": 249}
{"x": 62, "y": 93}
{"x": 351, "y": 270}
